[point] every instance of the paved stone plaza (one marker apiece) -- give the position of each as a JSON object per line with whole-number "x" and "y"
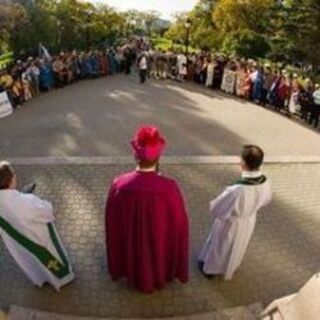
{"x": 97, "y": 118}
{"x": 283, "y": 254}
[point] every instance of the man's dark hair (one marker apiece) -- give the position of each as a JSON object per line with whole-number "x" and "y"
{"x": 252, "y": 157}
{"x": 6, "y": 175}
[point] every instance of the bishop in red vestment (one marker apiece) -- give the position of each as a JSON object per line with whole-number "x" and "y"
{"x": 147, "y": 229}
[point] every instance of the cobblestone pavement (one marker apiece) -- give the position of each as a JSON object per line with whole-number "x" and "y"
{"x": 97, "y": 118}
{"x": 282, "y": 256}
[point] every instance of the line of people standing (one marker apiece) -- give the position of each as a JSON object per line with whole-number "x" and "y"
{"x": 25, "y": 80}
{"x": 262, "y": 84}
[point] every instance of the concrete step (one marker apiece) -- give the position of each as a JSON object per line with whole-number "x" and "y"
{"x": 250, "y": 312}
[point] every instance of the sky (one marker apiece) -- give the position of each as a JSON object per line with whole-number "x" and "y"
{"x": 166, "y": 7}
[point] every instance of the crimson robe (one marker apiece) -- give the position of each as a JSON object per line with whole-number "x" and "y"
{"x": 147, "y": 231}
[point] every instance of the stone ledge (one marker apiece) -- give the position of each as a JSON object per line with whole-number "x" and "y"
{"x": 250, "y": 312}
{"x": 178, "y": 160}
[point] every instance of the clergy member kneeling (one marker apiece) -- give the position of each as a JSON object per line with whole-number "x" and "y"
{"x": 146, "y": 221}
{"x": 28, "y": 231}
{"x": 234, "y": 214}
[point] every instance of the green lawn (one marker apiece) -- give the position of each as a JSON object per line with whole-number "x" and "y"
{"x": 5, "y": 59}
{"x": 166, "y": 44}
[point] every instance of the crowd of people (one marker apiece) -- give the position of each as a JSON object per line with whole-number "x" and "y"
{"x": 286, "y": 92}
{"x": 247, "y": 79}
{"x": 25, "y": 80}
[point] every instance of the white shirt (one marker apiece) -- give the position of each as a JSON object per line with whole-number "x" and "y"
{"x": 143, "y": 63}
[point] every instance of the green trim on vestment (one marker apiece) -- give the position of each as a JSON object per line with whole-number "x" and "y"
{"x": 252, "y": 181}
{"x": 57, "y": 245}
{"x": 45, "y": 257}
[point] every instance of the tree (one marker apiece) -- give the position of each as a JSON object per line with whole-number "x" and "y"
{"x": 65, "y": 25}
{"x": 246, "y": 43}
{"x": 233, "y": 15}
{"x": 298, "y": 36}
{"x": 13, "y": 19}
{"x": 177, "y": 31}
{"x": 149, "y": 18}
{"x": 204, "y": 32}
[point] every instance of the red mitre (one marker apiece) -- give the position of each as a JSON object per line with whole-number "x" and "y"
{"x": 148, "y": 143}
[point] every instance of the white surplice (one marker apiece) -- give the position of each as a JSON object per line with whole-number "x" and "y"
{"x": 30, "y": 216}
{"x": 234, "y": 213}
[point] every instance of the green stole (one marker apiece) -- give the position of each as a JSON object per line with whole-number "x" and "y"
{"x": 59, "y": 269}
{"x": 252, "y": 181}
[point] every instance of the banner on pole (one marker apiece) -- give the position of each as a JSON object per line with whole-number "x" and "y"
{"x": 229, "y": 81}
{"x": 5, "y": 105}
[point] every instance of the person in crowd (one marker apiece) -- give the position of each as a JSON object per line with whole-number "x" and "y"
{"x": 68, "y": 69}
{"x": 94, "y": 62}
{"x": 247, "y": 88}
{"x": 162, "y": 67}
{"x": 241, "y": 78}
{"x": 210, "y": 72}
{"x": 33, "y": 75}
{"x": 158, "y": 65}
{"x": 306, "y": 100}
{"x": 182, "y": 66}
{"x": 88, "y": 72}
{"x": 198, "y": 69}
{"x": 27, "y": 229}
{"x": 147, "y": 230}
{"x": 103, "y": 64}
{"x": 58, "y": 71}
{"x": 191, "y": 67}
{"x": 6, "y": 81}
{"x": 218, "y": 73}
{"x": 282, "y": 93}
{"x": 315, "y": 109}
{"x": 82, "y": 65}
{"x": 26, "y": 83}
{"x": 75, "y": 67}
{"x": 294, "y": 106}
{"x": 173, "y": 65}
{"x": 234, "y": 215}
{"x": 18, "y": 68}
{"x": 112, "y": 63}
{"x": 127, "y": 55}
{"x": 204, "y": 71}
{"x": 17, "y": 91}
{"x": 257, "y": 83}
{"x": 46, "y": 77}
{"x": 143, "y": 67}
{"x": 151, "y": 65}
{"x": 268, "y": 79}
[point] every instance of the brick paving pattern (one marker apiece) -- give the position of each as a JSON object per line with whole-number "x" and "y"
{"x": 282, "y": 256}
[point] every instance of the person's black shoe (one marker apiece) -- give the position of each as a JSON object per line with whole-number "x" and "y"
{"x": 30, "y": 188}
{"x": 200, "y": 265}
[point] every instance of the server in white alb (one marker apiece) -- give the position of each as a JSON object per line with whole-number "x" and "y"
{"x": 29, "y": 233}
{"x": 234, "y": 217}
